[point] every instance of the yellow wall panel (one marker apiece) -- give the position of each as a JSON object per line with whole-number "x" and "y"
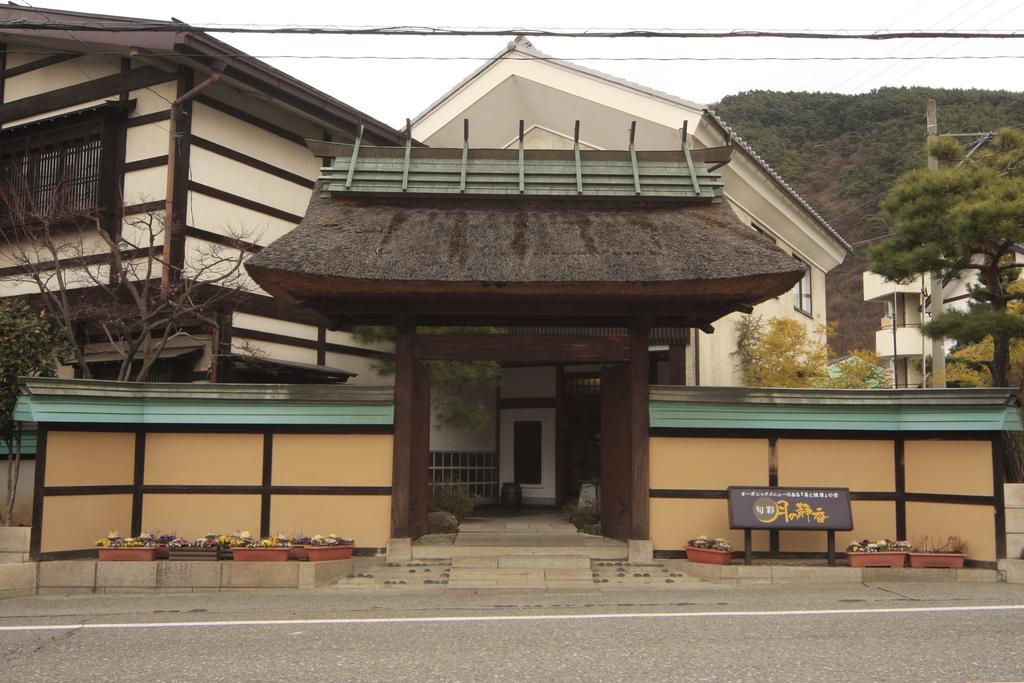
{"x": 76, "y": 522}
{"x": 224, "y": 459}
{"x": 697, "y": 463}
{"x": 872, "y": 519}
{"x": 973, "y": 523}
{"x": 366, "y": 519}
{"x": 90, "y": 458}
{"x": 959, "y": 467}
{"x": 192, "y": 515}
{"x": 674, "y": 521}
{"x": 854, "y": 464}
{"x": 332, "y": 460}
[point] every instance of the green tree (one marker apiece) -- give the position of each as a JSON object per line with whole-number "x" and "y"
{"x": 29, "y": 345}
{"x": 780, "y": 352}
{"x": 449, "y": 380}
{"x": 964, "y": 218}
{"x": 860, "y": 370}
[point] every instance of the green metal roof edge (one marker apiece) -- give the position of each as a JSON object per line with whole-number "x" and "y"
{"x": 832, "y": 417}
{"x": 96, "y": 401}
{"x": 28, "y": 444}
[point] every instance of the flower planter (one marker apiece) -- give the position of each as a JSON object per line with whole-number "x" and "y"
{"x": 163, "y": 552}
{"x": 882, "y": 559}
{"x": 328, "y": 552}
{"x": 298, "y": 552}
{"x": 127, "y": 554}
{"x": 260, "y": 554}
{"x": 708, "y": 556}
{"x": 940, "y": 560}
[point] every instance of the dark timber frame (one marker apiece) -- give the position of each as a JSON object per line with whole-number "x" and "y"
{"x": 900, "y": 496}
{"x": 138, "y": 488}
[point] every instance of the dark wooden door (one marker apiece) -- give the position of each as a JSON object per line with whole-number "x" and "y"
{"x": 615, "y": 471}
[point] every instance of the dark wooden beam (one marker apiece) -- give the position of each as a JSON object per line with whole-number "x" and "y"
{"x": 402, "y": 454}
{"x": 139, "y": 479}
{"x": 639, "y": 429}
{"x": 514, "y": 348}
{"x": 251, "y": 162}
{"x": 27, "y": 67}
{"x": 178, "y": 176}
{"x": 251, "y": 119}
{"x": 83, "y": 92}
{"x": 244, "y": 202}
{"x": 36, "y": 535}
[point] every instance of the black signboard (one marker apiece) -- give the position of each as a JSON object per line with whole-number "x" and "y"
{"x": 790, "y": 508}
{"x": 799, "y": 509}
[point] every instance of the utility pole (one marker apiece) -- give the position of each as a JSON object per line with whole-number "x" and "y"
{"x": 934, "y": 280}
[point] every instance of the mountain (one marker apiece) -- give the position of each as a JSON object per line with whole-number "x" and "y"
{"x": 843, "y": 152}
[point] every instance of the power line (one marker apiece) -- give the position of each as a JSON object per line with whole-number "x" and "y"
{"x": 531, "y": 58}
{"x": 177, "y": 27}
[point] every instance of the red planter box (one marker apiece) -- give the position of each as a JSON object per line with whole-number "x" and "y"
{"x": 260, "y": 554}
{"x": 942, "y": 560}
{"x": 162, "y": 551}
{"x": 298, "y": 552}
{"x": 328, "y": 552}
{"x": 893, "y": 560}
{"x": 127, "y": 554}
{"x": 708, "y": 556}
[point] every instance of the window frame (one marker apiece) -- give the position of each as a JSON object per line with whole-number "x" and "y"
{"x": 799, "y": 293}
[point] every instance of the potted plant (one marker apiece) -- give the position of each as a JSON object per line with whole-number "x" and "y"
{"x": 116, "y": 548}
{"x": 245, "y": 549}
{"x": 883, "y": 553}
{"x": 709, "y": 551}
{"x": 948, "y": 554}
{"x": 330, "y": 547}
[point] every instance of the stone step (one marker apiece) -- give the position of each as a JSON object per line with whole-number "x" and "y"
{"x": 530, "y": 586}
{"x": 616, "y": 551}
{"x": 523, "y": 562}
{"x": 499, "y": 575}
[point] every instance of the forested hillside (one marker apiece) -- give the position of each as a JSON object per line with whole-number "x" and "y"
{"x": 842, "y": 153}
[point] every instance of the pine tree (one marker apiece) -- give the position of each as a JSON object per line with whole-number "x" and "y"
{"x": 965, "y": 218}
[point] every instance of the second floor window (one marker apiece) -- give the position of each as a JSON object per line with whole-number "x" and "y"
{"x": 802, "y": 293}
{"x": 52, "y": 170}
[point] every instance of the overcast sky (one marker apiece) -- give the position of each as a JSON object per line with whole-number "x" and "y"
{"x": 393, "y": 90}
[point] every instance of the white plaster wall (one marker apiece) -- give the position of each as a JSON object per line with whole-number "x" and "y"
{"x": 365, "y": 369}
{"x": 231, "y": 176}
{"x": 285, "y": 327}
{"x": 155, "y": 98}
{"x": 23, "y": 495}
{"x": 62, "y": 75}
{"x": 226, "y": 219}
{"x": 149, "y": 184}
{"x": 273, "y": 350}
{"x": 146, "y": 142}
{"x": 226, "y": 130}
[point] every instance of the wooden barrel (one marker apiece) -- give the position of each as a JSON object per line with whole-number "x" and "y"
{"x": 511, "y": 495}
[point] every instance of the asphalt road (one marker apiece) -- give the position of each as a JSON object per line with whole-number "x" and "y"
{"x": 905, "y": 632}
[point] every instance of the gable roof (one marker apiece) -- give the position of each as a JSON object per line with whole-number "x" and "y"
{"x": 526, "y": 51}
{"x": 188, "y": 44}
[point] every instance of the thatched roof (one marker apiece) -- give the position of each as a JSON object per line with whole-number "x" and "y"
{"x": 370, "y": 246}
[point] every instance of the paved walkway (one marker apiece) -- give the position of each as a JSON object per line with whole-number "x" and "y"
{"x": 534, "y": 528}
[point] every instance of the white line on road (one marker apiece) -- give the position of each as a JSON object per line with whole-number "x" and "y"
{"x": 510, "y": 617}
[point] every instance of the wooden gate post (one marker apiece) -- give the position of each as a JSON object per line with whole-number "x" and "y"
{"x": 402, "y": 459}
{"x": 639, "y": 433}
